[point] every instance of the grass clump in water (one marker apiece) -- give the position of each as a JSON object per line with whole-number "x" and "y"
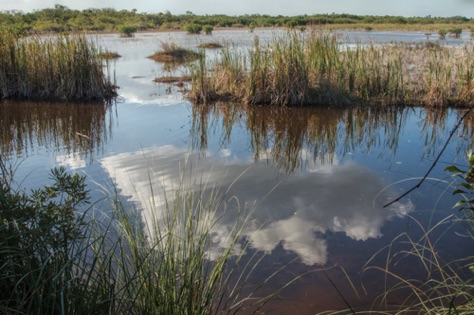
{"x": 211, "y": 45}
{"x": 317, "y": 69}
{"x": 172, "y": 52}
{"x": 52, "y": 68}
{"x": 109, "y": 55}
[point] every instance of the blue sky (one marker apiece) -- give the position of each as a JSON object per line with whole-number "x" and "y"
{"x": 272, "y": 7}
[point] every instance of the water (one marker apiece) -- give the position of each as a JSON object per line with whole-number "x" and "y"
{"x": 316, "y": 179}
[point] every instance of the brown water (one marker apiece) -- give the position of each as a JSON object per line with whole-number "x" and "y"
{"x": 316, "y": 179}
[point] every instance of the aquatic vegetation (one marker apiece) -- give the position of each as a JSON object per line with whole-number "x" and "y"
{"x": 172, "y": 52}
{"x": 318, "y": 69}
{"x": 65, "y": 68}
{"x": 127, "y": 30}
{"x": 211, "y": 45}
{"x": 109, "y": 55}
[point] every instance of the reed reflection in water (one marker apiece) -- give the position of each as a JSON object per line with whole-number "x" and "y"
{"x": 67, "y": 129}
{"x": 295, "y": 138}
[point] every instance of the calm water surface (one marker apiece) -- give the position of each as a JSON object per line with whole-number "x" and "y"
{"x": 316, "y": 179}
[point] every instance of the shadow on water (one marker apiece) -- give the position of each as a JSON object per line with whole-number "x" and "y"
{"x": 296, "y": 138}
{"x": 70, "y": 129}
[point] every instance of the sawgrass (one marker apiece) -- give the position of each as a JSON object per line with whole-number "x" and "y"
{"x": 317, "y": 69}
{"x": 65, "y": 68}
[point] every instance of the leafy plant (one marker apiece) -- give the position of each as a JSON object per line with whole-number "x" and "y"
{"x": 193, "y": 28}
{"x": 207, "y": 29}
{"x": 442, "y": 33}
{"x": 456, "y": 32}
{"x": 465, "y": 188}
{"x": 127, "y": 30}
{"x": 38, "y": 238}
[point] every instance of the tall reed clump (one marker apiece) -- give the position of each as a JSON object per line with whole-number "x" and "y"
{"x": 52, "y": 68}
{"x": 280, "y": 74}
{"x": 317, "y": 68}
{"x": 59, "y": 257}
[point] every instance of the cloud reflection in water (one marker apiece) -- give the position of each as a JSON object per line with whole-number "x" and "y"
{"x": 294, "y": 211}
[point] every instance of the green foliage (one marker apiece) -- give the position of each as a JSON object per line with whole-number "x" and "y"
{"x": 60, "y": 18}
{"x": 207, "y": 29}
{"x": 442, "y": 33}
{"x": 251, "y": 27}
{"x": 127, "y": 30}
{"x": 37, "y": 238}
{"x": 465, "y": 186}
{"x": 193, "y": 28}
{"x": 456, "y": 32}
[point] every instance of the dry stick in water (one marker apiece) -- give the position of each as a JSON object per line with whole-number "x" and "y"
{"x": 435, "y": 161}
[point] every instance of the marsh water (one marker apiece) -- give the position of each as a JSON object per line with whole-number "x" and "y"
{"x": 316, "y": 180}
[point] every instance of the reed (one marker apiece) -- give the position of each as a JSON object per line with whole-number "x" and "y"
{"x": 317, "y": 68}
{"x": 52, "y": 68}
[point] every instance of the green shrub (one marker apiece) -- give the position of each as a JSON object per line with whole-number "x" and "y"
{"x": 208, "y": 29}
{"x": 456, "y": 32}
{"x": 442, "y": 33}
{"x": 127, "y": 30}
{"x": 193, "y": 28}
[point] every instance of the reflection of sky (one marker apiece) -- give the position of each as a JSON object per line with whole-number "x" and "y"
{"x": 296, "y": 213}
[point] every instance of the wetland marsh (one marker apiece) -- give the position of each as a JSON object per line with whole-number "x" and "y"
{"x": 314, "y": 180}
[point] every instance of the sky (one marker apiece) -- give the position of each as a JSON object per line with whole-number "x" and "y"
{"x": 408, "y": 8}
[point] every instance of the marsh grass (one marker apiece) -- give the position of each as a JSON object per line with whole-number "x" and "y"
{"x": 317, "y": 69}
{"x": 211, "y": 45}
{"x": 109, "y": 55}
{"x": 439, "y": 287}
{"x": 173, "y": 52}
{"x": 60, "y": 256}
{"x": 52, "y": 68}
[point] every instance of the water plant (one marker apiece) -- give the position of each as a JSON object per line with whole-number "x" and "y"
{"x": 172, "y": 52}
{"x": 127, "y": 30}
{"x": 299, "y": 69}
{"x": 65, "y": 68}
{"x": 210, "y": 45}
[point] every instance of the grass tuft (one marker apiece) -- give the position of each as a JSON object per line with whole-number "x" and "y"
{"x": 172, "y": 52}
{"x": 62, "y": 68}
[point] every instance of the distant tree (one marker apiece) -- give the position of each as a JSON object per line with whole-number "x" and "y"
{"x": 193, "y": 28}
{"x": 127, "y": 30}
{"x": 456, "y": 32}
{"x": 208, "y": 29}
{"x": 442, "y": 33}
{"x": 251, "y": 27}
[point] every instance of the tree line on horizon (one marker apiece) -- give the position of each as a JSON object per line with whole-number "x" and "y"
{"x": 63, "y": 19}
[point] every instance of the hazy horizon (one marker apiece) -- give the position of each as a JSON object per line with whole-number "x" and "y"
{"x": 407, "y": 8}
